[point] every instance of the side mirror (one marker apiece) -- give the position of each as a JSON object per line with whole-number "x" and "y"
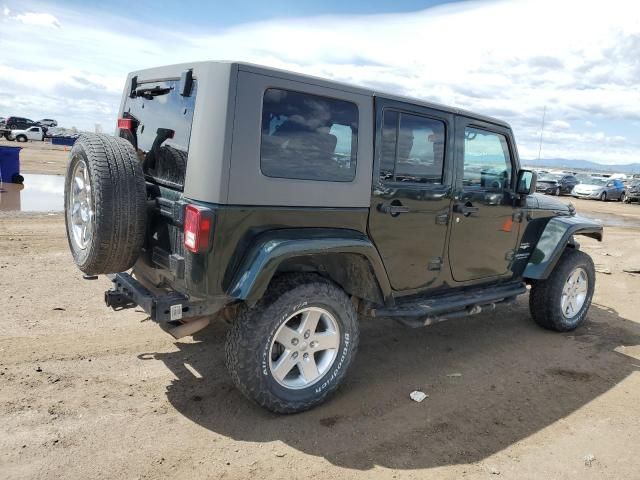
{"x": 527, "y": 180}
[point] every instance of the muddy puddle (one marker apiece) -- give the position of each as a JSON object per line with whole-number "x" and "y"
{"x": 39, "y": 193}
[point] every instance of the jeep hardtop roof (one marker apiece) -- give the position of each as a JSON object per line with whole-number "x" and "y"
{"x": 228, "y": 103}
{"x": 154, "y": 74}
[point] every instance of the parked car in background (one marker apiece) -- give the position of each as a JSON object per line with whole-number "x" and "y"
{"x": 19, "y": 123}
{"x": 600, "y": 189}
{"x": 556, "y": 184}
{"x": 633, "y": 192}
{"x": 32, "y": 133}
{"x": 48, "y": 122}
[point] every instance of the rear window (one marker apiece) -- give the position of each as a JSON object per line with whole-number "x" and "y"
{"x": 163, "y": 120}
{"x": 308, "y": 137}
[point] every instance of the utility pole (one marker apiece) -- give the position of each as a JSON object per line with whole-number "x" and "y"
{"x": 544, "y": 114}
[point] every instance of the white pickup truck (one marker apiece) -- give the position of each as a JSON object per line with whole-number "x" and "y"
{"x": 31, "y": 133}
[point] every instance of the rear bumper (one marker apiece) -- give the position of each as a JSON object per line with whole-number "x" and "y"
{"x": 163, "y": 306}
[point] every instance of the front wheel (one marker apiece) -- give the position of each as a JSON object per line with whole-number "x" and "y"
{"x": 603, "y": 196}
{"x": 291, "y": 350}
{"x": 561, "y": 301}
{"x": 557, "y": 192}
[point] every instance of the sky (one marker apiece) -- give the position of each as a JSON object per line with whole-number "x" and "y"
{"x": 507, "y": 58}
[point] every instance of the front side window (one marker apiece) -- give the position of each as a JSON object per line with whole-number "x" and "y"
{"x": 487, "y": 162}
{"x": 412, "y": 148}
{"x": 308, "y": 137}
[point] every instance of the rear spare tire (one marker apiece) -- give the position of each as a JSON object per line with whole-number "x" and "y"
{"x": 105, "y": 204}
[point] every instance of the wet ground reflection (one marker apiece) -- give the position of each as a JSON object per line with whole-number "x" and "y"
{"x": 40, "y": 193}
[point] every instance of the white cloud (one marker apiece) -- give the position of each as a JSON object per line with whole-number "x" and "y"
{"x": 5, "y": 11}
{"x": 559, "y": 125}
{"x": 37, "y": 19}
{"x": 508, "y": 59}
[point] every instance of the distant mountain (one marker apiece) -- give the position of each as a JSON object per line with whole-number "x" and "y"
{"x": 564, "y": 163}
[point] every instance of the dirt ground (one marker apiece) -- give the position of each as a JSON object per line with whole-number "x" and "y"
{"x": 90, "y": 393}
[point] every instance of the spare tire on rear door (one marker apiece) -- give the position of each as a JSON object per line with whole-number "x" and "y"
{"x": 105, "y": 204}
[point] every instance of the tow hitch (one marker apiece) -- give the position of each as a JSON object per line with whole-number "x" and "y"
{"x": 117, "y": 300}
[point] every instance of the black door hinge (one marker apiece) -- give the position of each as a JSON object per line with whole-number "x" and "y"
{"x": 518, "y": 216}
{"x": 442, "y": 219}
{"x": 434, "y": 264}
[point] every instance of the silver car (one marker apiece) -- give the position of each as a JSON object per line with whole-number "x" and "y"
{"x": 600, "y": 189}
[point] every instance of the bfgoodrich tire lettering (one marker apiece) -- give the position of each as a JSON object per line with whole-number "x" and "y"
{"x": 248, "y": 347}
{"x": 545, "y": 298}
{"x": 118, "y": 200}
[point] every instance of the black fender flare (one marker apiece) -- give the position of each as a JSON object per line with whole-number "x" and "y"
{"x": 557, "y": 234}
{"x": 348, "y": 257}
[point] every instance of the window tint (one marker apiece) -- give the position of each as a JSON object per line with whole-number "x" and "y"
{"x": 487, "y": 163}
{"x": 308, "y": 137}
{"x": 412, "y": 148}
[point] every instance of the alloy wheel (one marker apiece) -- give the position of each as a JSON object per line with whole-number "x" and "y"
{"x": 304, "y": 348}
{"x": 81, "y": 211}
{"x": 574, "y": 292}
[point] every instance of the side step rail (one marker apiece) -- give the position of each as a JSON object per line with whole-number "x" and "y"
{"x": 427, "y": 311}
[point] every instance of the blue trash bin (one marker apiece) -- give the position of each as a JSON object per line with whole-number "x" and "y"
{"x": 10, "y": 164}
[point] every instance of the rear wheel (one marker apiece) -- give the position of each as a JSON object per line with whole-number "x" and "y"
{"x": 557, "y": 192}
{"x": 21, "y": 138}
{"x": 561, "y": 302}
{"x": 622, "y": 197}
{"x": 291, "y": 350}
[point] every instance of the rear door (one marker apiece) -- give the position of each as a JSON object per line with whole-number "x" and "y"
{"x": 411, "y": 191}
{"x": 484, "y": 232}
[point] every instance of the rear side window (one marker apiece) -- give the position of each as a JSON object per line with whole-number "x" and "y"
{"x": 412, "y": 148}
{"x": 308, "y": 137}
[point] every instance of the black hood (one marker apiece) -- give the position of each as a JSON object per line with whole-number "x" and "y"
{"x": 544, "y": 202}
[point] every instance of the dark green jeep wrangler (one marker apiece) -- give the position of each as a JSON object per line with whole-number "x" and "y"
{"x": 295, "y": 207}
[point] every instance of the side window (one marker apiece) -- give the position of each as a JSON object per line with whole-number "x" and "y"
{"x": 487, "y": 162}
{"x": 308, "y": 137}
{"x": 412, "y": 148}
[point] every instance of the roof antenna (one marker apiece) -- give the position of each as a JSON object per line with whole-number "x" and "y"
{"x": 544, "y": 114}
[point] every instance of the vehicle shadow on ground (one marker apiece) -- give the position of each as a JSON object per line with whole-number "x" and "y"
{"x": 492, "y": 380}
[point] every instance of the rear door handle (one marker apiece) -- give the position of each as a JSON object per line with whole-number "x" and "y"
{"x": 466, "y": 209}
{"x": 392, "y": 209}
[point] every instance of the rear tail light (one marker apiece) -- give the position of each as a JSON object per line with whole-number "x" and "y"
{"x": 198, "y": 224}
{"x": 125, "y": 123}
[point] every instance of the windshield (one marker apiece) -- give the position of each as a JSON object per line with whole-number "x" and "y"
{"x": 549, "y": 178}
{"x": 596, "y": 181}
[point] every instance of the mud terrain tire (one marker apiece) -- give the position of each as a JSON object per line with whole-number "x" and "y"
{"x": 117, "y": 204}
{"x": 248, "y": 346}
{"x": 545, "y": 298}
